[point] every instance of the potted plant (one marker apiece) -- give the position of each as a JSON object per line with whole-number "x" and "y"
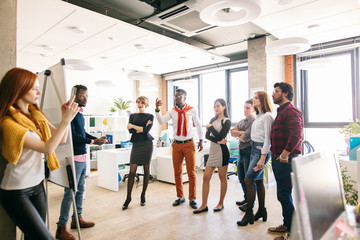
{"x": 351, "y": 194}
{"x": 122, "y": 105}
{"x": 112, "y": 111}
{"x": 351, "y": 130}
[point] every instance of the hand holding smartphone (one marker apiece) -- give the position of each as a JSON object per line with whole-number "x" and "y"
{"x": 73, "y": 92}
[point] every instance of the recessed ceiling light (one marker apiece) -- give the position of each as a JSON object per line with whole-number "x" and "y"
{"x": 44, "y": 54}
{"x": 147, "y": 66}
{"x": 313, "y": 26}
{"x": 139, "y": 46}
{"x": 183, "y": 57}
{"x": 47, "y": 47}
{"x": 77, "y": 30}
{"x": 104, "y": 57}
{"x": 112, "y": 38}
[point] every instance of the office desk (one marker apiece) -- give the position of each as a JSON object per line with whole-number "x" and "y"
{"x": 161, "y": 165}
{"x": 109, "y": 160}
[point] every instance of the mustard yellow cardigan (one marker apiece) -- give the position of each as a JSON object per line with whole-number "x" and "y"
{"x": 13, "y": 130}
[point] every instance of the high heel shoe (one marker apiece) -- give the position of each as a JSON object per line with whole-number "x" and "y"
{"x": 142, "y": 200}
{"x": 248, "y": 218}
{"x": 261, "y": 213}
{"x": 126, "y": 204}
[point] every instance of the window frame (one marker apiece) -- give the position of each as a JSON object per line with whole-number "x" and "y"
{"x": 172, "y": 88}
{"x": 304, "y": 79}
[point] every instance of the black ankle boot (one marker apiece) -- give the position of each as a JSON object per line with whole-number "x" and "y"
{"x": 261, "y": 213}
{"x": 248, "y": 218}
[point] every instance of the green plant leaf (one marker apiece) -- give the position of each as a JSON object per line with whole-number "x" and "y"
{"x": 121, "y": 104}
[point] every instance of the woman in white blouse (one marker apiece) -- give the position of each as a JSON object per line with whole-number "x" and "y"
{"x": 260, "y": 155}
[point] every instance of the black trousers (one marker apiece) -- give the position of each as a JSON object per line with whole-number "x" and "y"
{"x": 27, "y": 208}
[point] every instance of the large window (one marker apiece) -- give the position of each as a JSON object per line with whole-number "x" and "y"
{"x": 239, "y": 93}
{"x": 191, "y": 88}
{"x": 213, "y": 87}
{"x": 330, "y": 92}
{"x": 231, "y": 85}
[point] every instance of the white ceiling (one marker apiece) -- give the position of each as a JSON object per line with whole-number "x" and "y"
{"x": 45, "y": 34}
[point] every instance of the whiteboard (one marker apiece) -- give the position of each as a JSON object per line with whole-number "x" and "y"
{"x": 53, "y": 94}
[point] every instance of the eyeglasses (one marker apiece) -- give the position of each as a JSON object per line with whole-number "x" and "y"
{"x": 83, "y": 96}
{"x": 178, "y": 96}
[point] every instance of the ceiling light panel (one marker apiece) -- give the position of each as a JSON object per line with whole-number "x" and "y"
{"x": 55, "y": 11}
{"x": 62, "y": 38}
{"x": 326, "y": 27}
{"x": 151, "y": 41}
{"x": 102, "y": 42}
{"x": 275, "y": 19}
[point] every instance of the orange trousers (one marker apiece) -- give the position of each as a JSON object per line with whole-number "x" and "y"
{"x": 179, "y": 151}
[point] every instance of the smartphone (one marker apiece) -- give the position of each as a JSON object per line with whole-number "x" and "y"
{"x": 73, "y": 92}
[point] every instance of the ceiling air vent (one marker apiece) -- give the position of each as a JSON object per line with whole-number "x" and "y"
{"x": 183, "y": 18}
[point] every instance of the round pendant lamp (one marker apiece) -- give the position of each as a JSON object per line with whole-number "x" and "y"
{"x": 78, "y": 64}
{"x": 106, "y": 83}
{"x": 135, "y": 75}
{"x": 288, "y": 46}
{"x": 314, "y": 63}
{"x": 229, "y": 12}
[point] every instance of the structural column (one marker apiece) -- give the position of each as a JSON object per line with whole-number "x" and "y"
{"x": 7, "y": 61}
{"x": 264, "y": 70}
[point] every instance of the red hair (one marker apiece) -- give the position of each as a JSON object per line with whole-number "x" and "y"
{"x": 15, "y": 84}
{"x": 265, "y": 104}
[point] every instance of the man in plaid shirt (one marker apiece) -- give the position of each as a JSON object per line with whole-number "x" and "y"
{"x": 286, "y": 136}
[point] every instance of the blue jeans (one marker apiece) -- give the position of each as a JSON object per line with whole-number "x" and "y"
{"x": 80, "y": 171}
{"x": 254, "y": 158}
{"x": 284, "y": 188}
{"x": 242, "y": 166}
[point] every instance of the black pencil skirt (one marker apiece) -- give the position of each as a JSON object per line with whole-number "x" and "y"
{"x": 141, "y": 152}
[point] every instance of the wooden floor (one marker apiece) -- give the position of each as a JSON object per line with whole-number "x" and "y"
{"x": 159, "y": 219}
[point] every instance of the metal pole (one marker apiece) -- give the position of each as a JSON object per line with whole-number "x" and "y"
{"x": 76, "y": 214}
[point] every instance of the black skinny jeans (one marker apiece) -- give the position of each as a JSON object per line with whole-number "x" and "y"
{"x": 27, "y": 208}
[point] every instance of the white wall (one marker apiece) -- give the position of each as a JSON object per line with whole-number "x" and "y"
{"x": 152, "y": 90}
{"x": 102, "y": 98}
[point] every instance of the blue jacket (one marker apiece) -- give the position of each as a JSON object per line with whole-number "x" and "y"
{"x": 79, "y": 137}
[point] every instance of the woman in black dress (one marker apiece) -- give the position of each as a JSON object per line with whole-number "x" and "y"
{"x": 139, "y": 125}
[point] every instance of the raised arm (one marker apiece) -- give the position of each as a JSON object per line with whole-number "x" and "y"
{"x": 69, "y": 111}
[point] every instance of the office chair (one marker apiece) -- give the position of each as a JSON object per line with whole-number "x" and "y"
{"x": 234, "y": 156}
{"x": 306, "y": 147}
{"x": 137, "y": 176}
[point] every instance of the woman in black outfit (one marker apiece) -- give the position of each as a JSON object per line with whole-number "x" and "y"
{"x": 139, "y": 125}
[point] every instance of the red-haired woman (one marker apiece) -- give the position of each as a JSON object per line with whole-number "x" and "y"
{"x": 260, "y": 155}
{"x": 25, "y": 135}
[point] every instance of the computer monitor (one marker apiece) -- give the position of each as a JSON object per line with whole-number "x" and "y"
{"x": 319, "y": 196}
